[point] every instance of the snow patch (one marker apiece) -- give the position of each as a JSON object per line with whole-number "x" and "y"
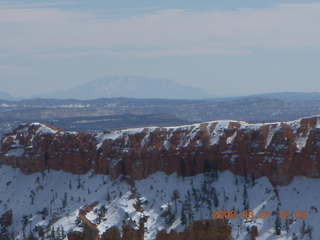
{"x": 272, "y": 131}
{"x": 218, "y": 131}
{"x": 17, "y": 152}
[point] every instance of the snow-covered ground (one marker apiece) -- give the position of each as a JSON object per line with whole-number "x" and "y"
{"x": 52, "y": 200}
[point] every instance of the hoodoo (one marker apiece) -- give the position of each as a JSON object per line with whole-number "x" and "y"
{"x": 278, "y": 150}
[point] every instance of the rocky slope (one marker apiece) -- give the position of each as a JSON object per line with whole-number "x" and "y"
{"x": 278, "y": 151}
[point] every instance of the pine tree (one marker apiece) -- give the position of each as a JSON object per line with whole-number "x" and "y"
{"x": 175, "y": 197}
{"x": 25, "y": 222}
{"x": 215, "y": 173}
{"x": 215, "y": 198}
{"x": 209, "y": 203}
{"x": 65, "y": 200}
{"x": 63, "y": 234}
{"x": 32, "y": 237}
{"x": 183, "y": 214}
{"x": 188, "y": 211}
{"x": 108, "y": 197}
{"x": 287, "y": 225}
{"x": 53, "y": 233}
{"x": 32, "y": 196}
{"x": 79, "y": 182}
{"x": 303, "y": 228}
{"x": 58, "y": 233}
{"x": 170, "y": 216}
{"x": 294, "y": 236}
{"x": 278, "y": 224}
{"x": 103, "y": 211}
{"x": 253, "y": 180}
{"x": 204, "y": 190}
{"x": 245, "y": 198}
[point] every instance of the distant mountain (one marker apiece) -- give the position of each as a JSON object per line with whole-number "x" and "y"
{"x": 130, "y": 87}
{"x": 6, "y": 96}
{"x": 291, "y": 96}
{"x": 283, "y": 96}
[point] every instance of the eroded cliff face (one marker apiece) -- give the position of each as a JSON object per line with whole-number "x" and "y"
{"x": 218, "y": 229}
{"x": 201, "y": 230}
{"x": 278, "y": 151}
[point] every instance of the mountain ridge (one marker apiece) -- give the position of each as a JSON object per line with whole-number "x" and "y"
{"x": 130, "y": 87}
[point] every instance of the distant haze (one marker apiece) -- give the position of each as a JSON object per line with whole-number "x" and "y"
{"x": 130, "y": 87}
{"x": 228, "y": 48}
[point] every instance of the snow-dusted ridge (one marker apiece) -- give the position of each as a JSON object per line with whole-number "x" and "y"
{"x": 216, "y": 129}
{"x": 264, "y": 149}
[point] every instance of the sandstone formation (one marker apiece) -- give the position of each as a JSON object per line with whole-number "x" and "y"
{"x": 6, "y": 219}
{"x": 87, "y": 234}
{"x": 129, "y": 232}
{"x": 278, "y": 151}
{"x": 254, "y": 232}
{"x": 201, "y": 230}
{"x": 90, "y": 232}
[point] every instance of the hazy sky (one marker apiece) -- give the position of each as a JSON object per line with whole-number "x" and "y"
{"x": 226, "y": 47}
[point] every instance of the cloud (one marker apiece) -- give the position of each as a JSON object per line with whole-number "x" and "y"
{"x": 55, "y": 32}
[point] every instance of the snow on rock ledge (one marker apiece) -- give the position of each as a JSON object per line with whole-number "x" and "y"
{"x": 279, "y": 151}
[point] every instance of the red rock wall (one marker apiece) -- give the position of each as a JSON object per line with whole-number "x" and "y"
{"x": 201, "y": 230}
{"x": 278, "y": 151}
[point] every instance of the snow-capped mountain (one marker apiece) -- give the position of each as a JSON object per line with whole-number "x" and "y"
{"x": 130, "y": 87}
{"x": 264, "y": 178}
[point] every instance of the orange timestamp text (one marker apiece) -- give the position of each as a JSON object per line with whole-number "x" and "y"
{"x": 261, "y": 214}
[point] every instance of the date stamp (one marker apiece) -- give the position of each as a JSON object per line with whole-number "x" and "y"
{"x": 259, "y": 215}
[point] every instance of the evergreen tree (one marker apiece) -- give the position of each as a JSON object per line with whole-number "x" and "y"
{"x": 32, "y": 196}
{"x": 62, "y": 232}
{"x": 245, "y": 198}
{"x": 215, "y": 198}
{"x": 209, "y": 203}
{"x": 303, "y": 228}
{"x": 65, "y": 200}
{"x": 183, "y": 214}
{"x": 169, "y": 215}
{"x": 204, "y": 190}
{"x": 32, "y": 237}
{"x": 175, "y": 197}
{"x": 294, "y": 236}
{"x": 189, "y": 211}
{"x": 79, "y": 182}
{"x": 253, "y": 180}
{"x": 215, "y": 172}
{"x": 53, "y": 233}
{"x": 278, "y": 223}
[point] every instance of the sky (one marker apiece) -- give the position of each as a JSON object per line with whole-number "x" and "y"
{"x": 228, "y": 48}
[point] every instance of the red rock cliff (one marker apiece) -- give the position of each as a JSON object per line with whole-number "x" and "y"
{"x": 279, "y": 151}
